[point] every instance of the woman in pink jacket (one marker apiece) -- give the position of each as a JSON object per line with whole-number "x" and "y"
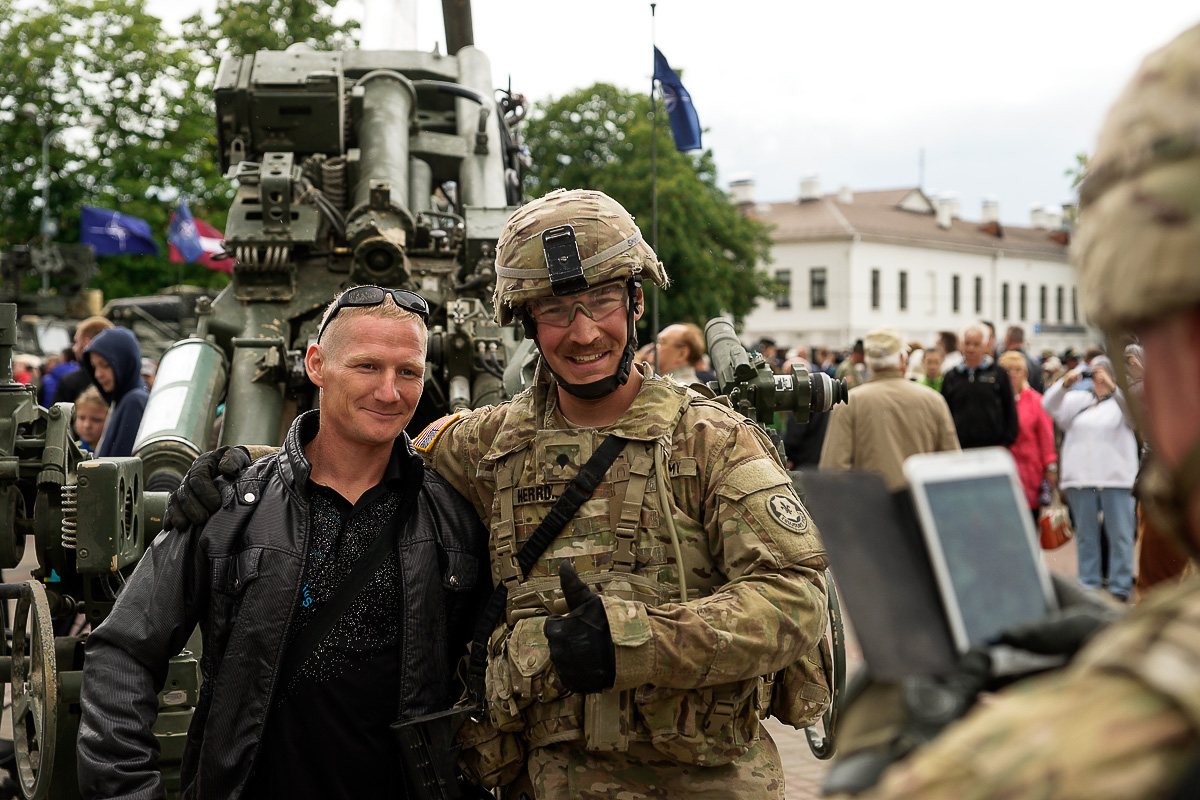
{"x": 1034, "y": 448}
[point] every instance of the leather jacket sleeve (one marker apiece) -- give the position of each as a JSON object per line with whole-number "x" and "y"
{"x": 126, "y": 666}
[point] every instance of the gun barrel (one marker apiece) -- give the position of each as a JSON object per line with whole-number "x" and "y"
{"x": 729, "y": 358}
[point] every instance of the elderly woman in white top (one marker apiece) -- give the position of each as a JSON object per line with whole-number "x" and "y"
{"x": 1098, "y": 465}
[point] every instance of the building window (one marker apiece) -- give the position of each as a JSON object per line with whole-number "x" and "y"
{"x": 816, "y": 287}
{"x": 1074, "y": 306}
{"x": 1059, "y": 303}
{"x": 955, "y": 283}
{"x": 1023, "y": 305}
{"x": 783, "y": 277}
{"x": 875, "y": 289}
{"x": 903, "y": 291}
{"x": 1042, "y": 303}
{"x": 1004, "y": 302}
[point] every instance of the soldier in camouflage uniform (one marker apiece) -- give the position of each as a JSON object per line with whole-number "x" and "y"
{"x": 1123, "y": 719}
{"x": 707, "y": 571}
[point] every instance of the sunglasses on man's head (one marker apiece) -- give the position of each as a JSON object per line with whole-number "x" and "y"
{"x": 365, "y": 296}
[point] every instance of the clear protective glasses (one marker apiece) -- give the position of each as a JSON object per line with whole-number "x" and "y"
{"x": 364, "y": 296}
{"x": 598, "y": 303}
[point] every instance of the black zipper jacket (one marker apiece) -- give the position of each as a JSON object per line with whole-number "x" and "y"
{"x": 239, "y": 579}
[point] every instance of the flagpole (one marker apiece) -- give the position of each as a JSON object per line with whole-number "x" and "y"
{"x": 653, "y": 189}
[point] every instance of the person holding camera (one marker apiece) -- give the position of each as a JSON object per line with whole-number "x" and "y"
{"x": 1099, "y": 464}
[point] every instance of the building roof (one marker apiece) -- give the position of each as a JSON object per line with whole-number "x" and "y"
{"x": 902, "y": 216}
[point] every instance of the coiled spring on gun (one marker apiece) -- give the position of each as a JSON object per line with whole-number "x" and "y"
{"x": 70, "y": 520}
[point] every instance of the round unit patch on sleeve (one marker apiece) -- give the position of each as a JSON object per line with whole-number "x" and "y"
{"x": 788, "y": 512}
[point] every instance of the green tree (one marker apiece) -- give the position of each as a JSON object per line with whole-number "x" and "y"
{"x": 136, "y": 128}
{"x": 135, "y": 113}
{"x": 599, "y": 138}
{"x": 243, "y": 27}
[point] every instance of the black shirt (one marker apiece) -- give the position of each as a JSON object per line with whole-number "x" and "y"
{"x": 328, "y": 731}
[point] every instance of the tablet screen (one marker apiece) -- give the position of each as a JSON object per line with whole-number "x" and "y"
{"x": 982, "y": 532}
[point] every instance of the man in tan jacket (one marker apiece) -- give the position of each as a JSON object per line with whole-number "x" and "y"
{"x": 888, "y": 418}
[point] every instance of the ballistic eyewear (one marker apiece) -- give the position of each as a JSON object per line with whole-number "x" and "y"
{"x": 366, "y": 296}
{"x": 559, "y": 312}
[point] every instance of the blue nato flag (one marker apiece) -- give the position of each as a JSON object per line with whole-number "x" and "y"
{"x": 183, "y": 233}
{"x": 112, "y": 233}
{"x": 685, "y": 125}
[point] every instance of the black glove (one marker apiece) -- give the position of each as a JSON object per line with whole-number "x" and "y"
{"x": 1082, "y": 614}
{"x": 882, "y": 723}
{"x": 581, "y": 645}
{"x": 197, "y": 497}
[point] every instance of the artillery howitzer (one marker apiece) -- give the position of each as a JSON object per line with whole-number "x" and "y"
{"x": 757, "y": 393}
{"x": 392, "y": 168}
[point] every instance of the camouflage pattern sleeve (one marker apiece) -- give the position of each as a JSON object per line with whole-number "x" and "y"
{"x": 767, "y": 604}
{"x": 453, "y": 447}
{"x": 1094, "y": 735}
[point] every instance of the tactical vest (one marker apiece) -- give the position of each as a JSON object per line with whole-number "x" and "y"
{"x": 621, "y": 546}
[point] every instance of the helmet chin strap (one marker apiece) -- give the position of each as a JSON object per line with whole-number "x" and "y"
{"x": 605, "y": 386}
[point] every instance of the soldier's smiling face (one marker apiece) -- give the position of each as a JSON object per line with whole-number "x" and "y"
{"x": 587, "y": 350}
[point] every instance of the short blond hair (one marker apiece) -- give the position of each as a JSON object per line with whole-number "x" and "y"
{"x": 91, "y": 397}
{"x": 1012, "y": 359}
{"x": 385, "y": 310}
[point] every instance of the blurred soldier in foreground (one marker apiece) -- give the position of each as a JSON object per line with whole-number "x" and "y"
{"x": 692, "y": 572}
{"x": 1123, "y": 719}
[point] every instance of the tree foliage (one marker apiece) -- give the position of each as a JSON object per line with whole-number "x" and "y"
{"x": 135, "y": 107}
{"x": 599, "y": 138}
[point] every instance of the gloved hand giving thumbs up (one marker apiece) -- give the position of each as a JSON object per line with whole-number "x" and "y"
{"x": 581, "y": 646}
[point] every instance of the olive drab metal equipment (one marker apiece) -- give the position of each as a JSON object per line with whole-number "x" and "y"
{"x": 758, "y": 394}
{"x": 391, "y": 168}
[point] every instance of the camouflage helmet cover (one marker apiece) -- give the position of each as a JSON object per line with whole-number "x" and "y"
{"x": 601, "y": 224}
{"x": 1138, "y": 243}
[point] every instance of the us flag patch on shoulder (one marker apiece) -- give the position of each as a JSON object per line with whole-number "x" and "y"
{"x": 424, "y": 443}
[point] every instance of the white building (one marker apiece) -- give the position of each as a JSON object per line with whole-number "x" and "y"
{"x": 851, "y": 262}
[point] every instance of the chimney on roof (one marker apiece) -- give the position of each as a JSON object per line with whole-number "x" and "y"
{"x": 846, "y": 196}
{"x": 742, "y": 190}
{"x": 991, "y": 210}
{"x": 1037, "y": 217}
{"x": 810, "y": 188}
{"x": 944, "y": 218}
{"x": 1053, "y": 217}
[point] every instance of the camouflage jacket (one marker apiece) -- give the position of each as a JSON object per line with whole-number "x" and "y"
{"x": 752, "y": 560}
{"x": 1122, "y": 721}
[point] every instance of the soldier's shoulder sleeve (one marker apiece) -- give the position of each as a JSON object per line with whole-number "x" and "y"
{"x": 749, "y": 503}
{"x": 454, "y": 445}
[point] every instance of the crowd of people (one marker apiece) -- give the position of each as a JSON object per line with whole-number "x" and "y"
{"x": 107, "y": 378}
{"x": 1061, "y": 415}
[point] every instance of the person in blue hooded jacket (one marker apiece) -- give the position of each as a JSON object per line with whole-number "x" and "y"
{"x": 113, "y": 361}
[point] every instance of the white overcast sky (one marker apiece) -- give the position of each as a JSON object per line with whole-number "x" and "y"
{"x": 1001, "y": 96}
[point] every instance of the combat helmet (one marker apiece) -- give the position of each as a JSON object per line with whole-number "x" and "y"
{"x": 565, "y": 243}
{"x": 1137, "y": 248}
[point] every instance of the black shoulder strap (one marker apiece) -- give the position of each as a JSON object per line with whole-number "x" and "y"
{"x": 326, "y": 616}
{"x": 577, "y": 492}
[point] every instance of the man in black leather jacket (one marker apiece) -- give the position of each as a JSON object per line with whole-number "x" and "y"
{"x": 271, "y": 722}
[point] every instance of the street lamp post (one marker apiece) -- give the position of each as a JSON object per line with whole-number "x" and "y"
{"x": 49, "y": 228}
